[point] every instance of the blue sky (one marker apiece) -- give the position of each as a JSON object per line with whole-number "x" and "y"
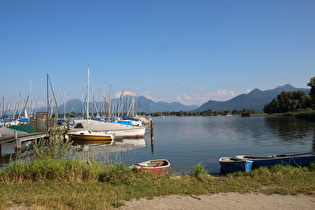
{"x": 167, "y": 50}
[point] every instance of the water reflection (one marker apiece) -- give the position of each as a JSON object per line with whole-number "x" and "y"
{"x": 108, "y": 152}
{"x": 289, "y": 128}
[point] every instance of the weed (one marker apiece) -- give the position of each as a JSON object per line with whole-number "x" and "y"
{"x": 200, "y": 173}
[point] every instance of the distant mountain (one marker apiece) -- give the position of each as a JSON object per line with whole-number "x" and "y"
{"x": 142, "y": 104}
{"x": 255, "y": 100}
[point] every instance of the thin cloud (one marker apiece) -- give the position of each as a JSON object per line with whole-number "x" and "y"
{"x": 125, "y": 93}
{"x": 221, "y": 95}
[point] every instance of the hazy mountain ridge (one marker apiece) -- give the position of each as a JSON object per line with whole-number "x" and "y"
{"x": 142, "y": 104}
{"x": 254, "y": 100}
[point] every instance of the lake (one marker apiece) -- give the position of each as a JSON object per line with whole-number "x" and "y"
{"x": 187, "y": 141}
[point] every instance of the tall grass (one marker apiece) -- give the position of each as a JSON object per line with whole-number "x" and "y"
{"x": 307, "y": 115}
{"x": 75, "y": 184}
{"x": 57, "y": 147}
{"x": 49, "y": 169}
{"x": 200, "y": 173}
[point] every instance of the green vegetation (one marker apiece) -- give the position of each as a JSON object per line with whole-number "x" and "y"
{"x": 294, "y": 103}
{"x": 288, "y": 101}
{"x": 208, "y": 112}
{"x": 56, "y": 147}
{"x": 312, "y": 92}
{"x": 72, "y": 184}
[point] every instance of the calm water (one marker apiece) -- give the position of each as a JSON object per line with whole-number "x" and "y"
{"x": 187, "y": 141}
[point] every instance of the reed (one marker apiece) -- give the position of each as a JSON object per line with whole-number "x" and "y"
{"x": 200, "y": 173}
{"x": 56, "y": 147}
{"x": 49, "y": 169}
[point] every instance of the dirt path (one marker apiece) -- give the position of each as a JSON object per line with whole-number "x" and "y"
{"x": 226, "y": 201}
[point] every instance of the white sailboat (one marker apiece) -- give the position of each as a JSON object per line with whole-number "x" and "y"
{"x": 118, "y": 130}
{"x": 85, "y": 130}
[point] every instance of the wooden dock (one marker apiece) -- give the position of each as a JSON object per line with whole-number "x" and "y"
{"x": 25, "y": 137}
{"x": 18, "y": 138}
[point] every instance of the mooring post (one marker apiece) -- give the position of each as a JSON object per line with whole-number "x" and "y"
{"x": 152, "y": 136}
{"x": 18, "y": 145}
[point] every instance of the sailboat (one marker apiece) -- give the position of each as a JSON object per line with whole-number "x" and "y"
{"x": 118, "y": 130}
{"x": 85, "y": 130}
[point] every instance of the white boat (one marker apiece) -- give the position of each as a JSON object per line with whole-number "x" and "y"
{"x": 84, "y": 131}
{"x": 118, "y": 130}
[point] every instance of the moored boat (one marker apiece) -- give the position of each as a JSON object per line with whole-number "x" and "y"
{"x": 230, "y": 164}
{"x": 87, "y": 135}
{"x": 158, "y": 167}
{"x": 120, "y": 131}
{"x": 299, "y": 160}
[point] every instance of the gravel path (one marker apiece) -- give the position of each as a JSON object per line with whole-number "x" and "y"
{"x": 226, "y": 201}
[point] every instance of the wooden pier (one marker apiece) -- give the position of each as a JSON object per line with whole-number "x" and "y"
{"x": 19, "y": 138}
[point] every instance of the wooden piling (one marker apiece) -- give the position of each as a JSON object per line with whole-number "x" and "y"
{"x": 18, "y": 145}
{"x": 152, "y": 136}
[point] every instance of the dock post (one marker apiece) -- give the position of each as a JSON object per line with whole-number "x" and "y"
{"x": 152, "y": 136}
{"x": 18, "y": 145}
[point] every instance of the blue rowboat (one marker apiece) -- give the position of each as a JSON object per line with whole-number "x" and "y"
{"x": 298, "y": 160}
{"x": 229, "y": 164}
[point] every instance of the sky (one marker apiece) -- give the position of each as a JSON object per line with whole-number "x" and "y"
{"x": 187, "y": 51}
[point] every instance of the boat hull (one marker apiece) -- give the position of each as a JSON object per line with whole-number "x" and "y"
{"x": 119, "y": 131}
{"x": 229, "y": 164}
{"x": 157, "y": 167}
{"x": 270, "y": 161}
{"x": 88, "y": 136}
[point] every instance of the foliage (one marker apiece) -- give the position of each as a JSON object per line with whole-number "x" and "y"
{"x": 312, "y": 92}
{"x": 49, "y": 169}
{"x": 288, "y": 101}
{"x": 118, "y": 172}
{"x": 91, "y": 193}
{"x": 56, "y": 147}
{"x": 307, "y": 115}
{"x": 200, "y": 172}
{"x": 208, "y": 112}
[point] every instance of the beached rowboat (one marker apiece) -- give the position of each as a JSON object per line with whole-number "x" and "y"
{"x": 299, "y": 160}
{"x": 229, "y": 164}
{"x": 158, "y": 167}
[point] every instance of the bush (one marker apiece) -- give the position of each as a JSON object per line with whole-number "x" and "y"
{"x": 116, "y": 173}
{"x": 48, "y": 169}
{"x": 56, "y": 147}
{"x": 200, "y": 172}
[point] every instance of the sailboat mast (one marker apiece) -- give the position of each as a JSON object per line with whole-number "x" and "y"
{"x": 88, "y": 95}
{"x": 65, "y": 101}
{"x": 109, "y": 103}
{"x": 47, "y": 105}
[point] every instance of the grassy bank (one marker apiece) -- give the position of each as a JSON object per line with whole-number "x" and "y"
{"x": 301, "y": 114}
{"x": 74, "y": 184}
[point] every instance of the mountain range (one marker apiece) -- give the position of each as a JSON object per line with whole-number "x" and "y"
{"x": 254, "y": 100}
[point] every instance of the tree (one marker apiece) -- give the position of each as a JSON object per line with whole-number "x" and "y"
{"x": 312, "y": 92}
{"x": 288, "y": 101}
